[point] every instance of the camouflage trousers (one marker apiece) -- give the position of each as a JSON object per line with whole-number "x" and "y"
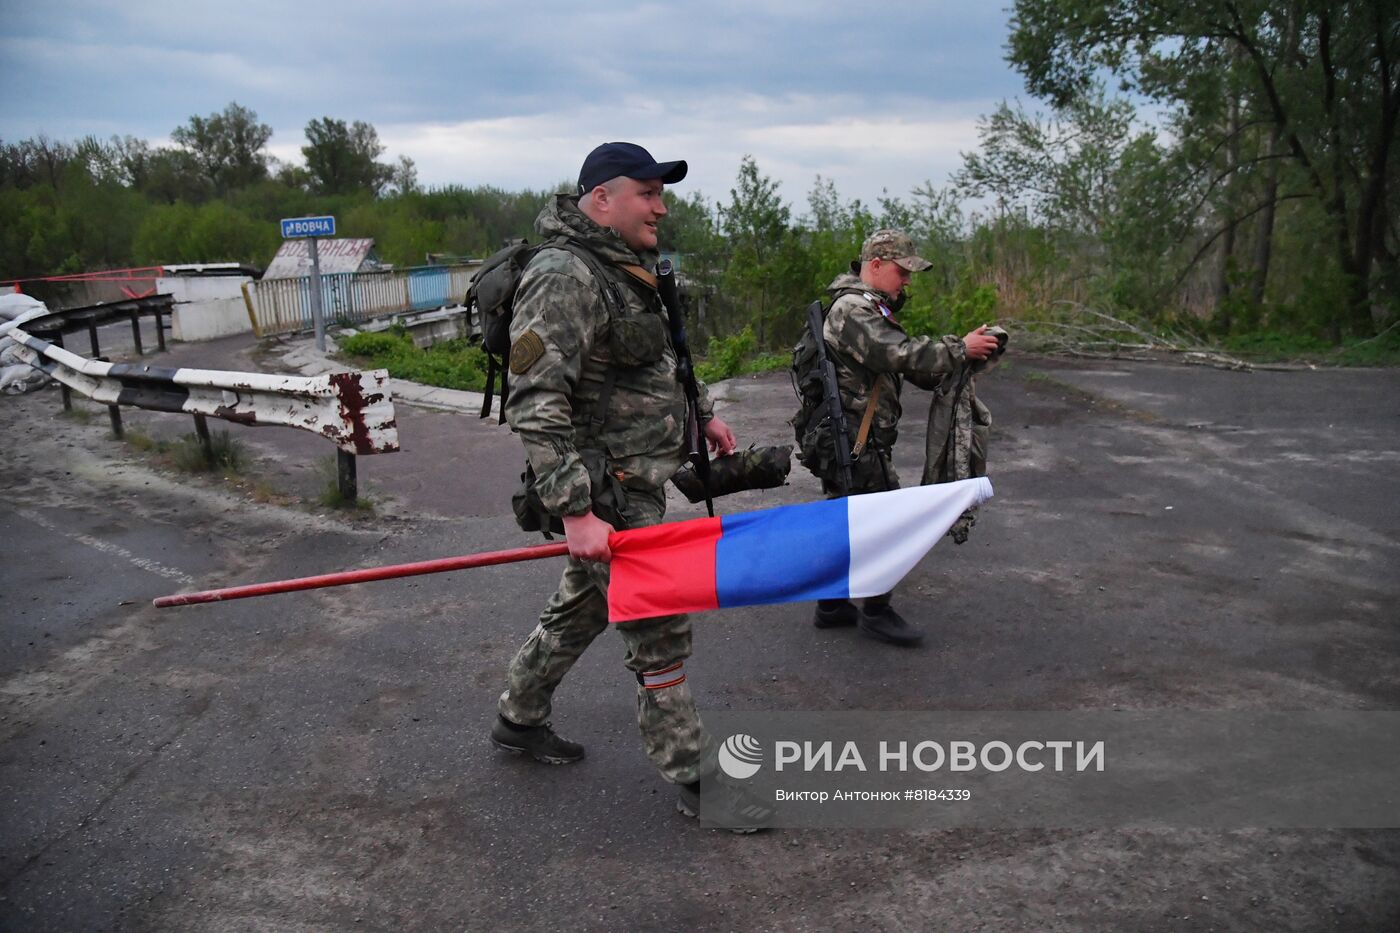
{"x": 873, "y": 471}
{"x": 675, "y": 739}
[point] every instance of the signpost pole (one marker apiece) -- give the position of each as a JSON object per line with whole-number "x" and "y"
{"x": 312, "y": 228}
{"x": 318, "y": 318}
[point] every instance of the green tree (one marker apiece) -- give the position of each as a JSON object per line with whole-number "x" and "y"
{"x": 403, "y": 176}
{"x": 292, "y": 176}
{"x": 97, "y": 219}
{"x": 164, "y": 234}
{"x": 755, "y": 223}
{"x": 227, "y": 147}
{"x": 1095, "y": 186}
{"x": 172, "y": 175}
{"x": 36, "y": 161}
{"x": 830, "y": 235}
{"x": 934, "y": 218}
{"x": 1066, "y": 169}
{"x": 341, "y": 158}
{"x": 211, "y": 232}
{"x": 1320, "y": 76}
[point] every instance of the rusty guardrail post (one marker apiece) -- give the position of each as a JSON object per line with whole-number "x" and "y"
{"x": 345, "y": 477}
{"x": 201, "y": 430}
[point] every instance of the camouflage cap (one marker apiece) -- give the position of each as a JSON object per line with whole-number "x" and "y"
{"x": 894, "y": 245}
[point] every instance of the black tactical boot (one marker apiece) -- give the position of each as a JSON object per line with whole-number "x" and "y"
{"x": 726, "y": 806}
{"x": 834, "y": 613}
{"x": 539, "y": 742}
{"x": 880, "y": 622}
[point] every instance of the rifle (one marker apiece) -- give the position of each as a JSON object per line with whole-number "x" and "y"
{"x": 831, "y": 394}
{"x": 698, "y": 453}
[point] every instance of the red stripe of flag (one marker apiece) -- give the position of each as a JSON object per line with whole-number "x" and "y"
{"x": 663, "y": 570}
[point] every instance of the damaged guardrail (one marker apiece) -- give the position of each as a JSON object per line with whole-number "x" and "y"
{"x": 354, "y": 410}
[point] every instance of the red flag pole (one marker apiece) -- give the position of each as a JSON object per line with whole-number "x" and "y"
{"x": 364, "y": 576}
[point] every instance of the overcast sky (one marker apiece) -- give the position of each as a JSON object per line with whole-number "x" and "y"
{"x": 514, "y": 95}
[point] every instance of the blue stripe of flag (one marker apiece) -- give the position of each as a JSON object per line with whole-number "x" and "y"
{"x": 791, "y": 553}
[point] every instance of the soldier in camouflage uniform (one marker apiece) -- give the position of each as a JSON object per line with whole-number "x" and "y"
{"x": 595, "y": 399}
{"x": 873, "y": 356}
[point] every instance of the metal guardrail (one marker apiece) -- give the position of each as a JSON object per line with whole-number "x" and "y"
{"x": 354, "y": 410}
{"x": 283, "y": 306}
{"x": 55, "y": 324}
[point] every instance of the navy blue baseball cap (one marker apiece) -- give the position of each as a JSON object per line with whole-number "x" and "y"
{"x": 610, "y": 160}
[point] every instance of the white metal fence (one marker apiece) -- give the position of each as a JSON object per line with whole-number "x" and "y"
{"x": 283, "y": 306}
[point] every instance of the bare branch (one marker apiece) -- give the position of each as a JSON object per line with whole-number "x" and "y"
{"x": 1097, "y": 335}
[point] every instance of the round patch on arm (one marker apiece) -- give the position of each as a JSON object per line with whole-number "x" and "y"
{"x": 525, "y": 351}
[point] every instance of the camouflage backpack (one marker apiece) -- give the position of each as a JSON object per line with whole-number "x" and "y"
{"x": 806, "y": 376}
{"x": 490, "y": 304}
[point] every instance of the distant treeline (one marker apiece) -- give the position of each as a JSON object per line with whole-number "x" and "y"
{"x": 1264, "y": 196}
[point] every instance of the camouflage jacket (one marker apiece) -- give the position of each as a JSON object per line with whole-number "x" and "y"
{"x": 955, "y": 445}
{"x": 565, "y": 345}
{"x": 868, "y": 347}
{"x": 959, "y": 427}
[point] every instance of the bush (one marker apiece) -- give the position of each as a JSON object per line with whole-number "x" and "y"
{"x": 725, "y": 355}
{"x": 382, "y": 343}
{"x": 958, "y": 312}
{"x": 453, "y": 364}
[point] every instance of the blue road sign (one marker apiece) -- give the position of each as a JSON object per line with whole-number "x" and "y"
{"x": 308, "y": 226}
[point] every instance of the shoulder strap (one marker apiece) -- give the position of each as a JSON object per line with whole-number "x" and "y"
{"x": 847, "y": 290}
{"x": 606, "y": 286}
{"x": 613, "y": 299}
{"x": 640, "y": 274}
{"x": 866, "y": 419}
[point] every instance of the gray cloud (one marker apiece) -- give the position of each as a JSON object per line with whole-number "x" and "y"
{"x": 514, "y": 94}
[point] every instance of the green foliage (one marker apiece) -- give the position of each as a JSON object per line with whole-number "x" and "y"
{"x": 227, "y": 146}
{"x": 1268, "y": 101}
{"x": 340, "y": 159}
{"x": 211, "y": 232}
{"x": 452, "y": 364}
{"x": 1065, "y": 169}
{"x": 1272, "y": 346}
{"x": 1077, "y": 208}
{"x": 724, "y": 356}
{"x": 755, "y": 227}
{"x": 736, "y": 355}
{"x": 965, "y": 309}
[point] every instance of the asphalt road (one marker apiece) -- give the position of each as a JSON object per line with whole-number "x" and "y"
{"x": 1161, "y": 537}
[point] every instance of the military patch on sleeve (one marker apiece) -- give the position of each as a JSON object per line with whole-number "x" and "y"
{"x": 525, "y": 351}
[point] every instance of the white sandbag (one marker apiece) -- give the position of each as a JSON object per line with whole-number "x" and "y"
{"x": 14, "y": 304}
{"x": 21, "y": 378}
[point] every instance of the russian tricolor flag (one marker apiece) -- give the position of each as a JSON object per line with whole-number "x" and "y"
{"x": 852, "y": 547}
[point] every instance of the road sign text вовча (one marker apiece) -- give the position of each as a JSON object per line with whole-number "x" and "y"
{"x": 308, "y": 226}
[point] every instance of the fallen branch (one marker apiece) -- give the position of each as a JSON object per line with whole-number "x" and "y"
{"x": 1097, "y": 335}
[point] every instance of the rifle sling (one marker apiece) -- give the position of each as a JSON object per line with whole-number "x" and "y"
{"x": 866, "y": 419}
{"x": 640, "y": 274}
